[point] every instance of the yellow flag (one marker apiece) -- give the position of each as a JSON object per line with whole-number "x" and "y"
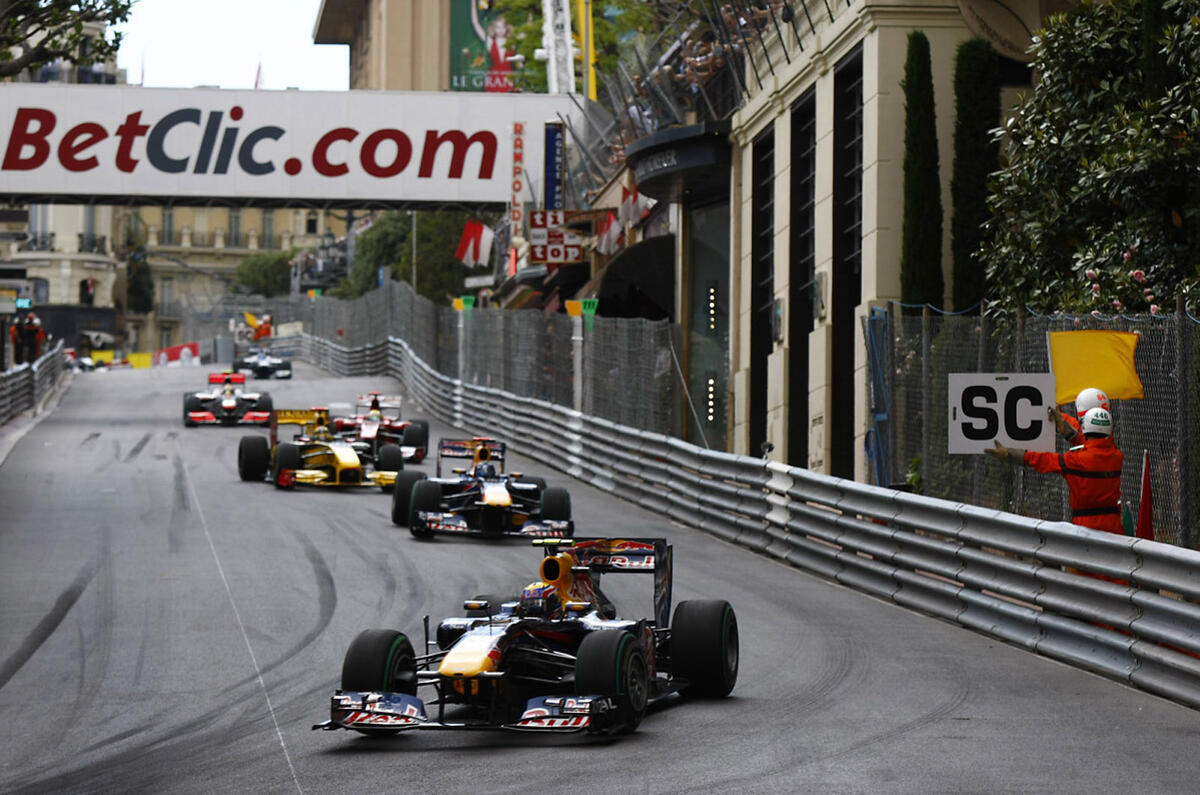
{"x": 251, "y": 320}
{"x": 1100, "y": 359}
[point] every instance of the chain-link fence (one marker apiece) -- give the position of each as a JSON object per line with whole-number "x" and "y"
{"x": 627, "y": 369}
{"x": 916, "y": 353}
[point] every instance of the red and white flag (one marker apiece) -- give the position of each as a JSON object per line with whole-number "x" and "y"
{"x": 629, "y": 204}
{"x": 608, "y": 241}
{"x": 475, "y": 247}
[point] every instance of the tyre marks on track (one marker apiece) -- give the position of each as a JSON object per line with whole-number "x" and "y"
{"x": 138, "y": 447}
{"x": 50, "y": 622}
{"x": 181, "y": 507}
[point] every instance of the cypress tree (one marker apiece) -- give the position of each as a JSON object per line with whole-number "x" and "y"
{"x": 976, "y": 156}
{"x": 921, "y": 279}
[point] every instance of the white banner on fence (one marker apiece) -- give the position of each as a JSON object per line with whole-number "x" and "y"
{"x": 1009, "y": 408}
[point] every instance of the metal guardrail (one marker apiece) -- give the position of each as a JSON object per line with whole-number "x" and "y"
{"x": 26, "y": 386}
{"x": 1034, "y": 583}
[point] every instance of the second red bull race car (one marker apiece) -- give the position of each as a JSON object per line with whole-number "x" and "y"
{"x": 480, "y": 498}
{"x": 557, "y": 659}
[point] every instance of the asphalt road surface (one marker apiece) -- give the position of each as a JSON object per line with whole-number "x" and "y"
{"x": 166, "y": 627}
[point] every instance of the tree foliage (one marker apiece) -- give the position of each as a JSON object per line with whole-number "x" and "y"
{"x": 139, "y": 283}
{"x": 976, "y": 156}
{"x": 921, "y": 279}
{"x": 387, "y": 244}
{"x": 1096, "y": 207}
{"x": 266, "y": 273}
{"x": 37, "y": 32}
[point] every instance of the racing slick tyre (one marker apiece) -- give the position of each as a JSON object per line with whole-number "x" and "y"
{"x": 556, "y": 503}
{"x": 426, "y": 496}
{"x": 254, "y": 456}
{"x": 265, "y": 403}
{"x": 287, "y": 456}
{"x": 190, "y": 403}
{"x": 416, "y": 434}
{"x": 380, "y": 660}
{"x": 390, "y": 458}
{"x": 402, "y": 495}
{"x": 704, "y": 646}
{"x": 610, "y": 663}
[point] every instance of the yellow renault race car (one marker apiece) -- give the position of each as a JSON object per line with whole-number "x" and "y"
{"x": 314, "y": 456}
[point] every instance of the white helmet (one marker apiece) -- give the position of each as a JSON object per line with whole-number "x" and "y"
{"x": 1098, "y": 421}
{"x": 1091, "y": 398}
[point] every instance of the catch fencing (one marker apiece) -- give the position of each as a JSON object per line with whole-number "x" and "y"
{"x": 626, "y": 371}
{"x": 912, "y": 355}
{"x": 1037, "y": 584}
{"x": 26, "y": 386}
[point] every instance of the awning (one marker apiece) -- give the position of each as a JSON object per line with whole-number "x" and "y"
{"x": 638, "y": 282}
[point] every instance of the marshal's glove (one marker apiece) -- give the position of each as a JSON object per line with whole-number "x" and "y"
{"x": 1006, "y": 453}
{"x": 1063, "y": 427}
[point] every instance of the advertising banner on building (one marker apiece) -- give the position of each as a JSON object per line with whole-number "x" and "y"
{"x": 120, "y": 143}
{"x": 555, "y": 168}
{"x": 481, "y": 49}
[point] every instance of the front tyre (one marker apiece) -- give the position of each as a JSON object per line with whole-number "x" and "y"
{"x": 402, "y": 495}
{"x": 556, "y": 504}
{"x": 704, "y": 646}
{"x": 380, "y": 660}
{"x": 254, "y": 456}
{"x": 426, "y": 497}
{"x": 287, "y": 456}
{"x": 611, "y": 663}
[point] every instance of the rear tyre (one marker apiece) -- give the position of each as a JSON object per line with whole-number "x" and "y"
{"x": 426, "y": 496}
{"x": 265, "y": 403}
{"x": 704, "y": 646}
{"x": 402, "y": 495}
{"x": 416, "y": 434}
{"x": 254, "y": 456}
{"x": 190, "y": 403}
{"x": 610, "y": 663}
{"x": 287, "y": 456}
{"x": 390, "y": 458}
{"x": 556, "y": 504}
{"x": 380, "y": 660}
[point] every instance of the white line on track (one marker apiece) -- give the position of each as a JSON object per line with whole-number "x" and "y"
{"x": 237, "y": 615}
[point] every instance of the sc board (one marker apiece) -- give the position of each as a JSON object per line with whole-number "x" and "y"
{"x": 1009, "y": 408}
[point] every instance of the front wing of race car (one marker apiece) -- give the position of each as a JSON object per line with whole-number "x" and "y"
{"x": 320, "y": 477}
{"x": 248, "y": 417}
{"x": 439, "y": 522}
{"x": 392, "y": 712}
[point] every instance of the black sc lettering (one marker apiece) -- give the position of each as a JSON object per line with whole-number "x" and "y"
{"x": 1016, "y": 431}
{"x": 971, "y": 397}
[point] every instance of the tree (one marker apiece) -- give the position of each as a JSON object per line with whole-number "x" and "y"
{"x": 921, "y": 279}
{"x": 1096, "y": 206}
{"x": 36, "y": 32}
{"x": 976, "y": 156}
{"x": 385, "y": 245}
{"x": 266, "y": 273}
{"x": 139, "y": 283}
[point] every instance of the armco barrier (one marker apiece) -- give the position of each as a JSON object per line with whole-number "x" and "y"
{"x": 26, "y": 386}
{"x": 1033, "y": 583}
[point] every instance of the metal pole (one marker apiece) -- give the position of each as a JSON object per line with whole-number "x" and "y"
{"x": 413, "y": 235}
{"x": 577, "y": 356}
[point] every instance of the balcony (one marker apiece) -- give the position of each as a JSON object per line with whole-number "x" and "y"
{"x": 92, "y": 244}
{"x": 169, "y": 310}
{"x": 41, "y": 241}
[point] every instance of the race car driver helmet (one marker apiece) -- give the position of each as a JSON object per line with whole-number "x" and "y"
{"x": 1090, "y": 398}
{"x": 375, "y": 414}
{"x": 485, "y": 470}
{"x": 1096, "y": 422}
{"x": 540, "y": 600}
{"x": 321, "y": 433}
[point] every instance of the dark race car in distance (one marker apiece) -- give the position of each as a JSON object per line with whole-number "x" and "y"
{"x": 479, "y": 498}
{"x": 226, "y": 402}
{"x": 375, "y": 421}
{"x": 259, "y": 363}
{"x": 556, "y": 659}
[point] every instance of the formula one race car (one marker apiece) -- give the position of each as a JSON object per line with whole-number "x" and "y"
{"x": 226, "y": 402}
{"x": 259, "y": 363}
{"x": 314, "y": 457}
{"x": 375, "y": 421}
{"x": 480, "y": 499}
{"x": 555, "y": 660}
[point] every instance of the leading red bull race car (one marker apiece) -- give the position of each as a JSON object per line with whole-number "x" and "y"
{"x": 558, "y": 659}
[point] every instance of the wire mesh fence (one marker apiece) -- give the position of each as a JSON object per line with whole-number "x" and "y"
{"x": 626, "y": 372}
{"x": 921, "y": 350}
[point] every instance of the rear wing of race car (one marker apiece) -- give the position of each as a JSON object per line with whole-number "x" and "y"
{"x": 387, "y": 403}
{"x": 637, "y": 555}
{"x": 476, "y": 449}
{"x": 219, "y": 378}
{"x": 308, "y": 419}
